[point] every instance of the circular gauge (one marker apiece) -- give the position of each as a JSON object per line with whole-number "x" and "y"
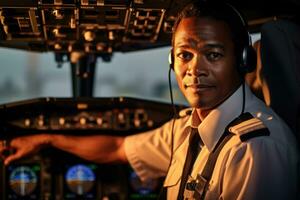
{"x": 143, "y": 188}
{"x": 23, "y": 180}
{"x": 80, "y": 179}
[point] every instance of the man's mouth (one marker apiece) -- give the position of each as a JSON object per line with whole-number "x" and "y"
{"x": 198, "y": 87}
{"x": 201, "y": 85}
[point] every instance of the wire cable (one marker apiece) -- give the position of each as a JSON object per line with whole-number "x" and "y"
{"x": 244, "y": 97}
{"x": 161, "y": 193}
{"x": 174, "y": 116}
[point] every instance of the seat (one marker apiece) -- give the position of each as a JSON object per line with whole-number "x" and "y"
{"x": 255, "y": 79}
{"x": 278, "y": 71}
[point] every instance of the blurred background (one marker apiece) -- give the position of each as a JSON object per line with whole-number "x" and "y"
{"x": 141, "y": 74}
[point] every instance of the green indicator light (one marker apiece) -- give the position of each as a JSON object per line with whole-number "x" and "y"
{"x": 36, "y": 168}
{"x": 93, "y": 167}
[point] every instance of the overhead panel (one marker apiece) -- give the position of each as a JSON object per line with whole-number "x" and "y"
{"x": 103, "y": 26}
{"x": 144, "y": 25}
{"x": 145, "y": 20}
{"x": 21, "y": 23}
{"x": 91, "y": 26}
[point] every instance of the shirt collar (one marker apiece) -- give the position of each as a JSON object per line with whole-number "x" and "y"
{"x": 213, "y": 126}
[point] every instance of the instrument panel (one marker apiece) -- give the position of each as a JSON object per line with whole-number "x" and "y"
{"x": 41, "y": 178}
{"x": 120, "y": 116}
{"x": 52, "y": 174}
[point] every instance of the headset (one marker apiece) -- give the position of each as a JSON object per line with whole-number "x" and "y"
{"x": 247, "y": 60}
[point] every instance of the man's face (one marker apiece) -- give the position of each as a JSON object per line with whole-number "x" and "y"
{"x": 204, "y": 62}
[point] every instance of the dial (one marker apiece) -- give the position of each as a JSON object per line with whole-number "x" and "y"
{"x": 23, "y": 180}
{"x": 80, "y": 179}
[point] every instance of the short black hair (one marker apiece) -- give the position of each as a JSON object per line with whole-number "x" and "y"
{"x": 222, "y": 11}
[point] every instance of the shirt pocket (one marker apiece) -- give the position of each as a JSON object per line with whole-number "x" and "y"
{"x": 174, "y": 174}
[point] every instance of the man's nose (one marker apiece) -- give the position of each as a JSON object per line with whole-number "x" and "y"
{"x": 197, "y": 67}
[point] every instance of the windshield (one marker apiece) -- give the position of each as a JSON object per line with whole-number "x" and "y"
{"x": 141, "y": 74}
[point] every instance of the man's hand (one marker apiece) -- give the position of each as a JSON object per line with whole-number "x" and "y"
{"x": 21, "y": 147}
{"x": 96, "y": 148}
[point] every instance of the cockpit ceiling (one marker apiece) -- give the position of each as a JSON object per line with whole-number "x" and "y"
{"x": 106, "y": 26}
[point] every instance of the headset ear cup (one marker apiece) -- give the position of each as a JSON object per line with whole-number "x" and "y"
{"x": 248, "y": 60}
{"x": 171, "y": 59}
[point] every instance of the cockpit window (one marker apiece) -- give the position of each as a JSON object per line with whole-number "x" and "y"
{"x": 143, "y": 74}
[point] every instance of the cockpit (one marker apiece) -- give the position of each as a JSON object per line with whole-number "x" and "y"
{"x": 88, "y": 67}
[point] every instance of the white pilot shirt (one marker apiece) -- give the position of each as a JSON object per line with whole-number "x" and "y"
{"x": 261, "y": 168}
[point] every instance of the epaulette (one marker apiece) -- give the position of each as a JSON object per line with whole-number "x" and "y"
{"x": 185, "y": 112}
{"x": 250, "y": 128}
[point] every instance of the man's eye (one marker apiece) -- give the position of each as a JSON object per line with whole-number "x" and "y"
{"x": 185, "y": 55}
{"x": 213, "y": 56}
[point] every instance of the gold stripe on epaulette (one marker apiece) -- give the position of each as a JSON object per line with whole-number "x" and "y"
{"x": 247, "y": 126}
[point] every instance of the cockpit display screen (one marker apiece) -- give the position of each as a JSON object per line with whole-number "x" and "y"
{"x": 143, "y": 190}
{"x": 80, "y": 181}
{"x": 24, "y": 181}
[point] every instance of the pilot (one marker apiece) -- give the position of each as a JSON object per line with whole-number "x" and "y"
{"x": 230, "y": 146}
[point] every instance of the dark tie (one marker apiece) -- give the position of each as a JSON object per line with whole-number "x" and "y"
{"x": 192, "y": 153}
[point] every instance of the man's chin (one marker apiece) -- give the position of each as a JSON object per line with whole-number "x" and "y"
{"x": 201, "y": 105}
